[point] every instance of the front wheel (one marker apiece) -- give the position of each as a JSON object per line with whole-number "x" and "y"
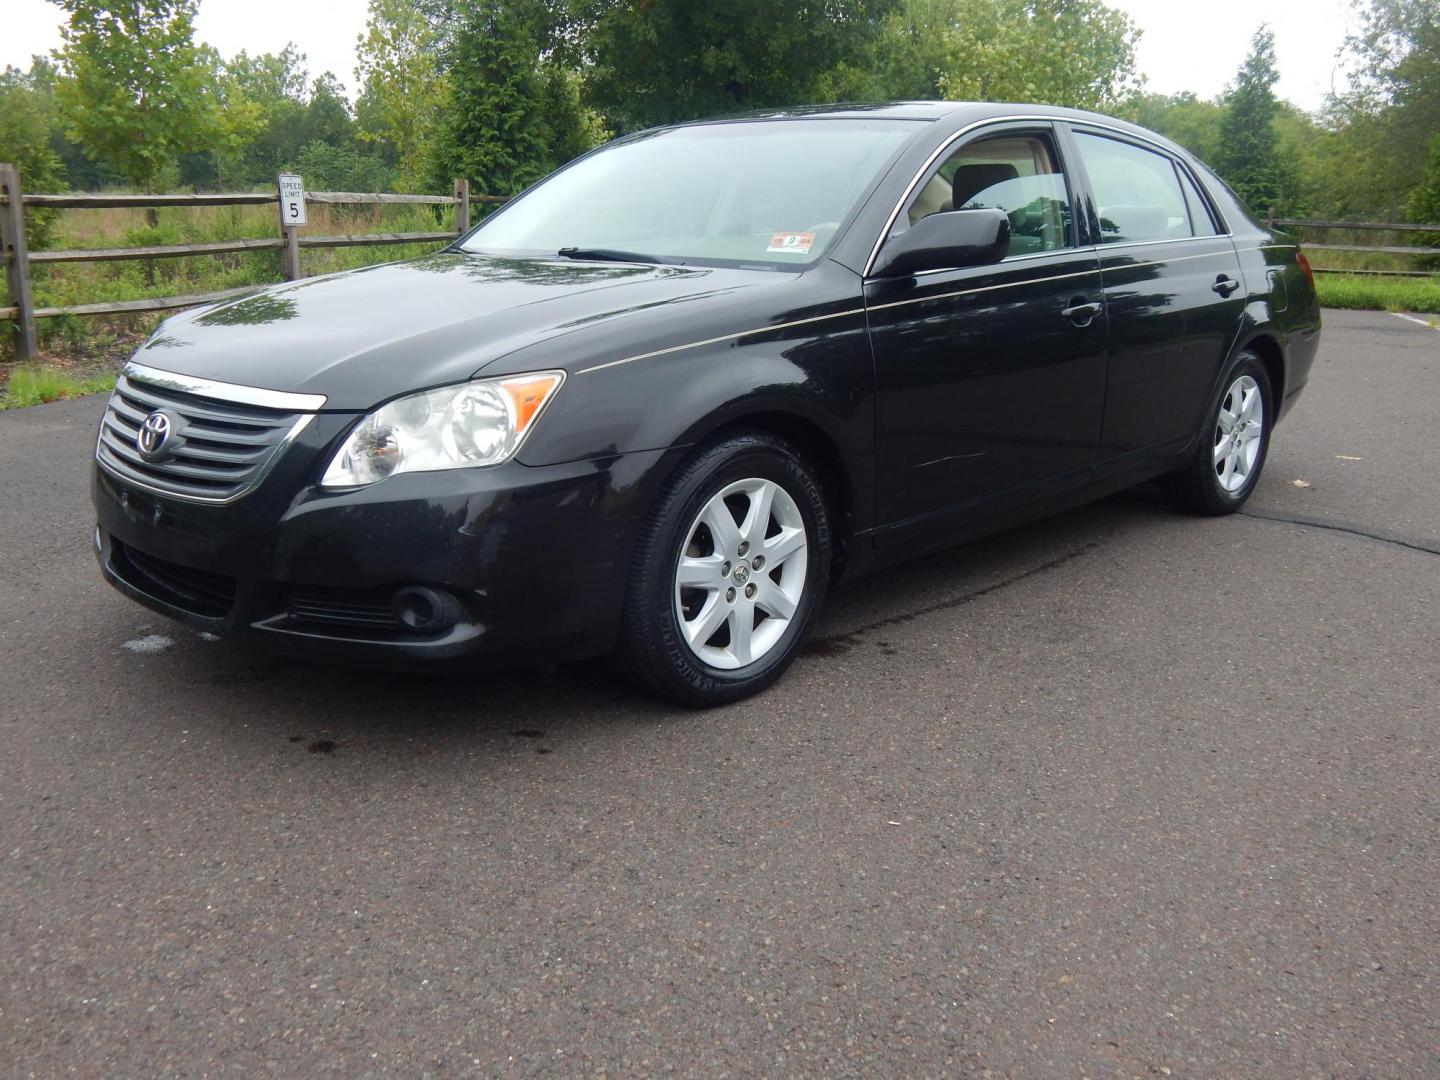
{"x": 1233, "y": 442}
{"x": 730, "y": 568}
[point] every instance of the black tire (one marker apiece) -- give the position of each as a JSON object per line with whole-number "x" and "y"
{"x": 652, "y": 646}
{"x": 1197, "y": 487}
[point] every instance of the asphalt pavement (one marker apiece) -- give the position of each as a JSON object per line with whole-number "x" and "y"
{"x": 1122, "y": 793}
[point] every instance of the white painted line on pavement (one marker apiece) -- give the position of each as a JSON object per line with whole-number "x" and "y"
{"x": 1418, "y": 322}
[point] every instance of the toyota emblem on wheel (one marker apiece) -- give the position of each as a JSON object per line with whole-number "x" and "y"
{"x": 154, "y": 435}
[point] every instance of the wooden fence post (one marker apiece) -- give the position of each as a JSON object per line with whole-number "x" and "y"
{"x": 17, "y": 262}
{"x": 462, "y": 207}
{"x": 290, "y": 259}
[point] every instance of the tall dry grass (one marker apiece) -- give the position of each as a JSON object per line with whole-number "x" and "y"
{"x": 59, "y": 285}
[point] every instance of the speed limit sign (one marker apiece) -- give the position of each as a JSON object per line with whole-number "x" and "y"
{"x": 292, "y": 199}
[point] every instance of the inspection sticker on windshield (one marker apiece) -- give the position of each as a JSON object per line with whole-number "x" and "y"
{"x": 792, "y": 243}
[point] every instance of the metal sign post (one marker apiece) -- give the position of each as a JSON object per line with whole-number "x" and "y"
{"x": 292, "y": 216}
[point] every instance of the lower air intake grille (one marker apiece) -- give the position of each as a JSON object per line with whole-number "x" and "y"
{"x": 345, "y": 608}
{"x": 196, "y": 591}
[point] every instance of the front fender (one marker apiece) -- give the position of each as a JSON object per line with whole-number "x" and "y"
{"x": 818, "y": 374}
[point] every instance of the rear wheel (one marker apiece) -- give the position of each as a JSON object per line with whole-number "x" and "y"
{"x": 729, "y": 570}
{"x": 1231, "y": 450}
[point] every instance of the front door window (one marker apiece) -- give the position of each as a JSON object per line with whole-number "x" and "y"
{"x": 1018, "y": 174}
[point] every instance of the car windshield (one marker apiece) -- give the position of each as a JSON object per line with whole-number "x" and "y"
{"x": 770, "y": 193}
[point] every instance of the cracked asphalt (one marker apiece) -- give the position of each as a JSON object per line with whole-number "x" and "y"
{"x": 1121, "y": 793}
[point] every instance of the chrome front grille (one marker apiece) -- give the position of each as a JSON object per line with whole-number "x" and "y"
{"x": 215, "y": 449}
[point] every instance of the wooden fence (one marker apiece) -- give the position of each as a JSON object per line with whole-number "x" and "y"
{"x": 22, "y": 311}
{"x": 1379, "y": 249}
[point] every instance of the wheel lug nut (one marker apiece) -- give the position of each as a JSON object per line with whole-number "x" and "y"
{"x": 758, "y": 561}
{"x": 744, "y": 547}
{"x": 725, "y": 569}
{"x": 730, "y": 595}
{"x": 750, "y": 591}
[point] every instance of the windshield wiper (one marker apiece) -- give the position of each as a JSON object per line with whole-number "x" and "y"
{"x": 605, "y": 255}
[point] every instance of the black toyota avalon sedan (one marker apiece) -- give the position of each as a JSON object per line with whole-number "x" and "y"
{"x": 659, "y": 403}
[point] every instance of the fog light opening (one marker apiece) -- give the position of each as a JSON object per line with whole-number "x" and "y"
{"x": 426, "y": 610}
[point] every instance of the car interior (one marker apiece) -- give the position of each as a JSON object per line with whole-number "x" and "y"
{"x": 1015, "y": 174}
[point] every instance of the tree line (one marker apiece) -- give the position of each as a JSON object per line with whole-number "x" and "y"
{"x": 503, "y": 92}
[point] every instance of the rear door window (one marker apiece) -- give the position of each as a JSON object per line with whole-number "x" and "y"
{"x": 1137, "y": 192}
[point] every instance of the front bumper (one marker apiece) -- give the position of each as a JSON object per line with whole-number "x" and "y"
{"x": 537, "y": 556}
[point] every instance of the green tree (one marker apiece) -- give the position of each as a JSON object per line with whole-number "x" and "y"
{"x": 79, "y": 169}
{"x": 342, "y": 167}
{"x": 26, "y": 123}
{"x": 1392, "y": 105}
{"x": 1301, "y": 156}
{"x": 134, "y": 89}
{"x": 1424, "y": 202}
{"x": 1247, "y": 157}
{"x": 513, "y": 112}
{"x": 271, "y": 78}
{"x": 1423, "y": 205}
{"x": 402, "y": 92}
{"x": 1192, "y": 122}
{"x": 1079, "y": 53}
{"x": 327, "y": 113}
{"x": 273, "y": 86}
{"x": 1398, "y": 49}
{"x": 575, "y": 128}
{"x": 290, "y": 112}
{"x": 657, "y": 61}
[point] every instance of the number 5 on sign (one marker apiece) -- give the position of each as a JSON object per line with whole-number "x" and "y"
{"x": 292, "y": 199}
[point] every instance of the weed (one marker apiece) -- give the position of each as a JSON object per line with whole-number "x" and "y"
{"x": 35, "y": 384}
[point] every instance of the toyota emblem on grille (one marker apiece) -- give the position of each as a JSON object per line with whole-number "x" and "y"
{"x": 154, "y": 435}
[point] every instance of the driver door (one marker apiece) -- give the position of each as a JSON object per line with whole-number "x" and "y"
{"x": 990, "y": 379}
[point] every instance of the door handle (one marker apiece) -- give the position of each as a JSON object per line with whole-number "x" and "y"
{"x": 1081, "y": 311}
{"x": 1225, "y": 285}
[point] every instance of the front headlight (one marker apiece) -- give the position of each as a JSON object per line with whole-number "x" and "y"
{"x": 455, "y": 427}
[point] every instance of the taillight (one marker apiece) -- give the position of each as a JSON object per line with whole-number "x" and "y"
{"x": 1304, "y": 265}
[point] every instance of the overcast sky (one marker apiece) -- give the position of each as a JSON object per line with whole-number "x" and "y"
{"x": 1186, "y": 46}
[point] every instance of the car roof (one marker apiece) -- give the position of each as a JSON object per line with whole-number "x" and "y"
{"x": 956, "y": 112}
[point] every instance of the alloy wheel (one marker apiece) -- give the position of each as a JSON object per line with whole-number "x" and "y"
{"x": 1238, "y": 428}
{"x": 741, "y": 573}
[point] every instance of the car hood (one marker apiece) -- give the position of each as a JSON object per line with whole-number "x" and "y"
{"x": 367, "y": 335}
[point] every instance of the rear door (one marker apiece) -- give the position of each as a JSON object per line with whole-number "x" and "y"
{"x": 985, "y": 386}
{"x": 1172, "y": 287}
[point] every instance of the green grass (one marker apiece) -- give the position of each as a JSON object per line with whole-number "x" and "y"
{"x": 42, "y": 384}
{"x": 1378, "y": 294}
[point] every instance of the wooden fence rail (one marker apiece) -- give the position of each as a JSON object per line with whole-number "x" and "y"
{"x": 1377, "y": 249}
{"x": 22, "y": 311}
{"x": 14, "y": 201}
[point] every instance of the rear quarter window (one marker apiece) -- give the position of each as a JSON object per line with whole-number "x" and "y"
{"x": 1201, "y": 219}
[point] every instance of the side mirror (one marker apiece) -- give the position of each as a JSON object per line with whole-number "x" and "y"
{"x": 946, "y": 241}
